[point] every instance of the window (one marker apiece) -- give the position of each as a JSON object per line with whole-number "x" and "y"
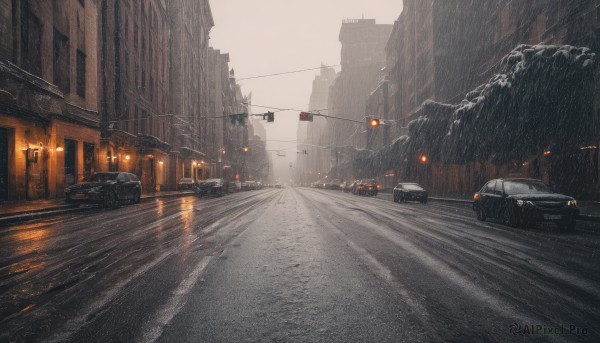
{"x": 82, "y": 2}
{"x": 31, "y": 41}
{"x": 144, "y": 122}
{"x": 135, "y": 36}
{"x": 135, "y": 121}
{"x": 88, "y": 159}
{"x": 61, "y": 62}
{"x": 80, "y": 74}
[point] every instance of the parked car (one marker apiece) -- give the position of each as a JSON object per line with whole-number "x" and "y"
{"x": 218, "y": 187}
{"x": 367, "y": 187}
{"x": 186, "y": 183}
{"x": 348, "y": 186}
{"x": 522, "y": 202}
{"x": 334, "y": 184}
{"x": 236, "y": 186}
{"x": 108, "y": 189}
{"x": 410, "y": 192}
{"x": 252, "y": 185}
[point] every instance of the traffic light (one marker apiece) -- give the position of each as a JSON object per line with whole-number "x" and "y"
{"x": 306, "y": 116}
{"x": 245, "y": 149}
{"x": 238, "y": 119}
{"x": 423, "y": 159}
{"x": 373, "y": 123}
{"x": 270, "y": 117}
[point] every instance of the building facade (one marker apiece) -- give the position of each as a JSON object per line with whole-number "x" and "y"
{"x": 49, "y": 137}
{"x": 362, "y": 58}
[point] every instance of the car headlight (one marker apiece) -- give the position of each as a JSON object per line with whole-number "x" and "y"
{"x": 572, "y": 203}
{"x": 522, "y": 203}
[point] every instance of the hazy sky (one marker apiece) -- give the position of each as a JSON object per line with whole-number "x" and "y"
{"x": 272, "y": 36}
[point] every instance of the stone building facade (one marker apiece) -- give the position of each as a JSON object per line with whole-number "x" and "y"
{"x": 49, "y": 121}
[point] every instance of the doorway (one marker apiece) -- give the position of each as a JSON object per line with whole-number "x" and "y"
{"x": 70, "y": 162}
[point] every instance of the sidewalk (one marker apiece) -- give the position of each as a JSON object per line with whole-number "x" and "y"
{"x": 20, "y": 211}
{"x": 588, "y": 210}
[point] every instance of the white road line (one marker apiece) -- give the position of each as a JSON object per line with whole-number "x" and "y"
{"x": 154, "y": 327}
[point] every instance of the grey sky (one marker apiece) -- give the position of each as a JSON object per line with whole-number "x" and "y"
{"x": 271, "y": 36}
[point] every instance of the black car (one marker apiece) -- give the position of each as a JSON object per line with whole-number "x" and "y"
{"x": 218, "y": 187}
{"x": 410, "y": 192}
{"x": 522, "y": 202}
{"x": 108, "y": 189}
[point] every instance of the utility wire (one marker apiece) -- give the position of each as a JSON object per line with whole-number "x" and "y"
{"x": 287, "y": 72}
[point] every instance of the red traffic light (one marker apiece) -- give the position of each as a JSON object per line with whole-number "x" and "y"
{"x": 245, "y": 149}
{"x": 306, "y": 116}
{"x": 423, "y": 158}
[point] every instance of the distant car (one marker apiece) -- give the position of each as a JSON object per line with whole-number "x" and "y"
{"x": 236, "y": 186}
{"x": 334, "y": 184}
{"x": 349, "y": 186}
{"x": 252, "y": 185}
{"x": 521, "y": 202}
{"x": 367, "y": 187}
{"x": 186, "y": 183}
{"x": 410, "y": 192}
{"x": 108, "y": 189}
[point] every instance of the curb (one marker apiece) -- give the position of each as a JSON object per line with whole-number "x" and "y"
{"x": 55, "y": 211}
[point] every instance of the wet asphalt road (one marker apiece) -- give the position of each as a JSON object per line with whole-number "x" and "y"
{"x": 298, "y": 265}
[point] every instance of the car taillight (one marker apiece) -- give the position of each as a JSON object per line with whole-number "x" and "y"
{"x": 476, "y": 197}
{"x": 378, "y": 186}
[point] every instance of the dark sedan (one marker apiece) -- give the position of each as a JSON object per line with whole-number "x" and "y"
{"x": 218, "y": 187}
{"x": 524, "y": 202}
{"x": 410, "y": 192}
{"x": 108, "y": 189}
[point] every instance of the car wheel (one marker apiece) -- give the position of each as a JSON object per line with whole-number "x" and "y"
{"x": 480, "y": 214}
{"x": 395, "y": 198}
{"x": 110, "y": 200}
{"x": 136, "y": 197}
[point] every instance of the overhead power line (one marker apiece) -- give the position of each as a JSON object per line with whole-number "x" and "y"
{"x": 287, "y": 72}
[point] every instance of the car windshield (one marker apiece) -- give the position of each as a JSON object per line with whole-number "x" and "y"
{"x": 101, "y": 177}
{"x": 412, "y": 187}
{"x": 525, "y": 187}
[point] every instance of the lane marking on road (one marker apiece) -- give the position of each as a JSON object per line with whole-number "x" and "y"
{"x": 154, "y": 327}
{"x": 74, "y": 325}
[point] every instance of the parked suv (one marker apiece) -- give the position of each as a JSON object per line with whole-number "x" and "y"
{"x": 108, "y": 189}
{"x": 521, "y": 202}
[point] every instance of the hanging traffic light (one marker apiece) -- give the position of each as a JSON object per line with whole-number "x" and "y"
{"x": 423, "y": 159}
{"x": 373, "y": 123}
{"x": 245, "y": 149}
{"x": 270, "y": 117}
{"x": 238, "y": 119}
{"x": 306, "y": 116}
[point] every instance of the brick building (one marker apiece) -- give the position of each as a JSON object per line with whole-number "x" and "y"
{"x": 49, "y": 135}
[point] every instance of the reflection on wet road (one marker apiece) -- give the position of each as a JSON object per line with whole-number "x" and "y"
{"x": 292, "y": 265}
